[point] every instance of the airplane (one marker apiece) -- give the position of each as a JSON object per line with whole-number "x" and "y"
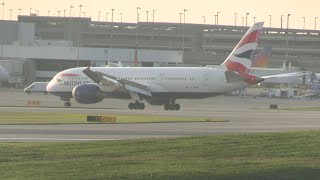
{"x": 4, "y": 75}
{"x": 261, "y": 60}
{"x": 161, "y": 85}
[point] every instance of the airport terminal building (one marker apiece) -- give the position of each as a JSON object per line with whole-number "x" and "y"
{"x": 34, "y": 48}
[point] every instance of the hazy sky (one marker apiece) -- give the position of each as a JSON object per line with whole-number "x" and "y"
{"x": 168, "y": 10}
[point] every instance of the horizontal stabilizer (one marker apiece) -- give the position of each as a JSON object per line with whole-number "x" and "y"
{"x": 232, "y": 77}
{"x": 285, "y": 75}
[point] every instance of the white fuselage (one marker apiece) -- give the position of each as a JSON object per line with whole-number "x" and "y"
{"x": 184, "y": 80}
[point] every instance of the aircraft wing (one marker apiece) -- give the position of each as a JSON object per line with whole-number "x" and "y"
{"x": 286, "y": 75}
{"x": 106, "y": 79}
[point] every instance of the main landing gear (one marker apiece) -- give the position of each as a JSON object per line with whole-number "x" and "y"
{"x": 136, "y": 105}
{"x": 172, "y": 105}
{"x": 67, "y": 103}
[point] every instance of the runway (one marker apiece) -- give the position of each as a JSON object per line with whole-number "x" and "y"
{"x": 238, "y": 122}
{"x": 243, "y": 115}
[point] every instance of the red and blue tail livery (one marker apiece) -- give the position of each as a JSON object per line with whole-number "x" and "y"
{"x": 240, "y": 58}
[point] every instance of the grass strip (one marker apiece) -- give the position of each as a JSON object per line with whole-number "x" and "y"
{"x": 291, "y": 155}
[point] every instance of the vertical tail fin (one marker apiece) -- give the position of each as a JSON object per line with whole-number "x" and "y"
{"x": 240, "y": 58}
{"x": 263, "y": 57}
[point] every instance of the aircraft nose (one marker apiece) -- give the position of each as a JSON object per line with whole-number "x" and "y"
{"x": 50, "y": 87}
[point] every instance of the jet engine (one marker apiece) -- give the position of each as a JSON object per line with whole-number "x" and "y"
{"x": 87, "y": 94}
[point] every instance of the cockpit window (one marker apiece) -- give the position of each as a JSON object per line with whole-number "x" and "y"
{"x": 58, "y": 79}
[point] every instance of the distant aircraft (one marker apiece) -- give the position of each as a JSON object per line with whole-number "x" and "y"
{"x": 261, "y": 60}
{"x": 311, "y": 93}
{"x": 4, "y": 75}
{"x": 161, "y": 85}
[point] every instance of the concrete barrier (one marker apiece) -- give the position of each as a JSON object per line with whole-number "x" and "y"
{"x": 102, "y": 119}
{"x": 33, "y": 103}
{"x": 273, "y": 106}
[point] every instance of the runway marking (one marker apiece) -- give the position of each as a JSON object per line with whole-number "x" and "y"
{"x": 57, "y": 139}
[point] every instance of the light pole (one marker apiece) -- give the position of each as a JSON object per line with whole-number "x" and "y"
{"x": 184, "y": 22}
{"x": 235, "y": 19}
{"x": 153, "y": 15}
{"x": 70, "y": 15}
{"x": 121, "y": 17}
{"x": 78, "y": 57}
{"x": 3, "y": 10}
{"x": 288, "y": 16}
{"x": 215, "y": 19}
{"x": 304, "y": 23}
{"x": 218, "y": 18}
{"x": 64, "y": 13}
{"x": 107, "y": 16}
{"x": 10, "y": 13}
{"x": 30, "y": 10}
{"x": 136, "y": 49}
{"x": 287, "y": 42}
{"x": 38, "y": 12}
{"x": 112, "y": 15}
{"x": 138, "y": 14}
{"x": 254, "y": 19}
{"x": 84, "y": 14}
{"x": 71, "y": 7}
{"x": 315, "y": 23}
{"x": 270, "y": 20}
{"x": 281, "y": 22}
{"x": 80, "y": 6}
{"x": 19, "y": 11}
{"x": 147, "y": 16}
{"x": 48, "y": 13}
{"x": 58, "y": 13}
{"x": 180, "y": 16}
{"x": 247, "y": 19}
{"x": 204, "y": 20}
{"x": 99, "y": 15}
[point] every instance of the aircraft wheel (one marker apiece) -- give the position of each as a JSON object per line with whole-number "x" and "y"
{"x": 131, "y": 106}
{"x": 67, "y": 104}
{"x": 171, "y": 107}
{"x": 177, "y": 107}
{"x": 166, "y": 107}
{"x": 141, "y": 106}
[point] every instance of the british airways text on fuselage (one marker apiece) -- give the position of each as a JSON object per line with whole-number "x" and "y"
{"x": 74, "y": 83}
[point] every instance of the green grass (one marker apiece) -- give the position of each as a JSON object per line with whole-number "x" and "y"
{"x": 292, "y": 155}
{"x": 64, "y": 118}
{"x": 303, "y": 109}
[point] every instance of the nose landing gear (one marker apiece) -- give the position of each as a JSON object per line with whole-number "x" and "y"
{"x": 67, "y": 103}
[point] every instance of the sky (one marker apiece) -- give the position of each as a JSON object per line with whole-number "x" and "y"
{"x": 168, "y": 10}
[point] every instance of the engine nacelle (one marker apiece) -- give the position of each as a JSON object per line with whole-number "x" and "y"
{"x": 87, "y": 94}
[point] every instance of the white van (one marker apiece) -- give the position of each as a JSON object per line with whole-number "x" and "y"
{"x": 37, "y": 87}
